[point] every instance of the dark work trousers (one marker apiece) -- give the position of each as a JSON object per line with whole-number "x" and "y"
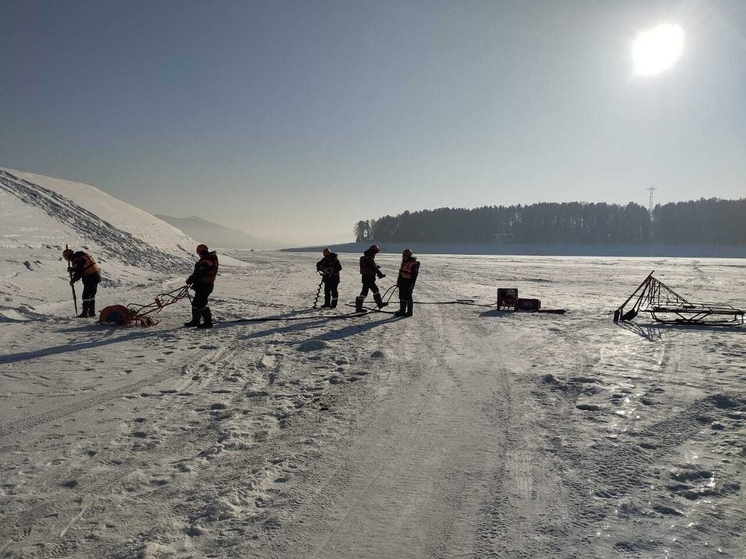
{"x": 330, "y": 289}
{"x": 405, "y": 291}
{"x": 369, "y": 283}
{"x": 201, "y": 293}
{"x": 90, "y": 287}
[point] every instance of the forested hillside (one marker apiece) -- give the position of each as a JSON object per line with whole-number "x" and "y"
{"x": 712, "y": 221}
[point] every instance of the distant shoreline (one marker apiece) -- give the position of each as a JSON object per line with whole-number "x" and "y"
{"x": 652, "y": 250}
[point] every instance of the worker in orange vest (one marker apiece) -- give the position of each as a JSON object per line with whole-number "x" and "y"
{"x": 408, "y": 271}
{"x": 83, "y": 267}
{"x": 202, "y": 281}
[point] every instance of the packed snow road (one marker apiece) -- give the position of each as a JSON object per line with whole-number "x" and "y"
{"x": 459, "y": 432}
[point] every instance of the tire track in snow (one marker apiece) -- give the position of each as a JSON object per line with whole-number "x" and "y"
{"x": 649, "y": 411}
{"x": 19, "y": 426}
{"x": 411, "y": 484}
{"x": 523, "y": 486}
{"x": 192, "y": 506}
{"x": 105, "y": 475}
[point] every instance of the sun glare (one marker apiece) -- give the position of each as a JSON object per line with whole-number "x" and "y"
{"x": 656, "y": 50}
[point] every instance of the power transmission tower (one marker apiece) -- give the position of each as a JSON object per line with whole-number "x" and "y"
{"x": 650, "y": 203}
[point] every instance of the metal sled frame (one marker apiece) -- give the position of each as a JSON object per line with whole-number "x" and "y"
{"x": 139, "y": 314}
{"x": 667, "y": 306}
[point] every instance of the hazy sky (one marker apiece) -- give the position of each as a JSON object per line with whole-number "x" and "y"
{"x": 300, "y": 118}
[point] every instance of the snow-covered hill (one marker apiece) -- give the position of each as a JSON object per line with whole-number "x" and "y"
{"x": 218, "y": 236}
{"x": 40, "y": 216}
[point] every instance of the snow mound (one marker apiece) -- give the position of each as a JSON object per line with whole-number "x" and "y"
{"x": 313, "y": 345}
{"x": 41, "y": 216}
{"x": 111, "y": 241}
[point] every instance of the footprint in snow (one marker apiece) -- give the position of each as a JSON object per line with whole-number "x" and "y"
{"x": 313, "y": 345}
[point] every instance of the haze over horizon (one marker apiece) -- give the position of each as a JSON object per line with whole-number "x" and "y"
{"x": 298, "y": 119}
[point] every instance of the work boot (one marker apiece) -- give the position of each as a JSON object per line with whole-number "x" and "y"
{"x": 410, "y": 306}
{"x": 334, "y": 304}
{"x": 379, "y": 301}
{"x": 207, "y": 316}
{"x": 92, "y": 308}
{"x": 402, "y": 309}
{"x": 195, "y": 319}
{"x": 359, "y": 304}
{"x": 326, "y": 304}
{"x": 84, "y": 313}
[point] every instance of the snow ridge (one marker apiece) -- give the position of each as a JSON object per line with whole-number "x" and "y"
{"x": 113, "y": 242}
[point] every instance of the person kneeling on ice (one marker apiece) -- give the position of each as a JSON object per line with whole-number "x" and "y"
{"x": 369, "y": 270}
{"x": 408, "y": 271}
{"x": 329, "y": 267}
{"x": 84, "y": 267}
{"x": 202, "y": 281}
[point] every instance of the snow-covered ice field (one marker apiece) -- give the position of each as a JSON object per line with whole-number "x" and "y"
{"x": 459, "y": 432}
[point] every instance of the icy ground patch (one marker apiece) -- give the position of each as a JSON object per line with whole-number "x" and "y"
{"x": 460, "y": 432}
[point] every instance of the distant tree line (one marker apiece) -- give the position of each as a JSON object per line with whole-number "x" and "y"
{"x": 712, "y": 221}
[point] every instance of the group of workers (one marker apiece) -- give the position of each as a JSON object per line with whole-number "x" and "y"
{"x": 329, "y": 267}
{"x": 82, "y": 266}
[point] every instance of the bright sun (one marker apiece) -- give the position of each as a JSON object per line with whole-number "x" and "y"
{"x": 656, "y": 50}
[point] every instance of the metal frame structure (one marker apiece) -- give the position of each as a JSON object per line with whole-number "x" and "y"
{"x": 139, "y": 315}
{"x": 163, "y": 300}
{"x": 666, "y": 306}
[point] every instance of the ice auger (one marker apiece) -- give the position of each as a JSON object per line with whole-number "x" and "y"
{"x": 72, "y": 285}
{"x": 318, "y": 291}
{"x": 141, "y": 315}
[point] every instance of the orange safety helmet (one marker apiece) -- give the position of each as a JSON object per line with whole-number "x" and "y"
{"x": 67, "y": 254}
{"x": 374, "y": 248}
{"x": 327, "y": 252}
{"x": 202, "y": 248}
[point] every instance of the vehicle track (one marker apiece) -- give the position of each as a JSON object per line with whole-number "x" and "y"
{"x": 48, "y": 518}
{"x": 427, "y": 457}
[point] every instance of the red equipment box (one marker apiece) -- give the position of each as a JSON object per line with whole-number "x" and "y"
{"x": 527, "y": 304}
